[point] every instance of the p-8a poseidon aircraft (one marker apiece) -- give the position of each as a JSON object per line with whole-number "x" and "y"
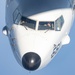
{"x": 37, "y": 29}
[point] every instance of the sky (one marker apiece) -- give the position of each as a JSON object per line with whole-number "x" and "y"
{"x": 62, "y": 64}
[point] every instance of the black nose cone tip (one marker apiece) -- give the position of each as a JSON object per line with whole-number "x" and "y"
{"x": 31, "y": 61}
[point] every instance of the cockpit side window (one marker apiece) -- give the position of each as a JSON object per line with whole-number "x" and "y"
{"x": 59, "y": 23}
{"x": 16, "y": 16}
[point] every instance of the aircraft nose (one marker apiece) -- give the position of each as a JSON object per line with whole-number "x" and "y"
{"x": 31, "y": 61}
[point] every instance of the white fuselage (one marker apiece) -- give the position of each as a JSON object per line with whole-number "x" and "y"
{"x": 45, "y": 42}
{"x": 37, "y": 40}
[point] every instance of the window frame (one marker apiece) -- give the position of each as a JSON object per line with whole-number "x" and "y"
{"x": 16, "y": 14}
{"x": 59, "y": 21}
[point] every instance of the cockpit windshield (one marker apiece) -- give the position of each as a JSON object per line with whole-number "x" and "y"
{"x": 52, "y": 25}
{"x": 28, "y": 22}
{"x": 43, "y": 25}
{"x": 38, "y": 25}
{"x": 46, "y": 25}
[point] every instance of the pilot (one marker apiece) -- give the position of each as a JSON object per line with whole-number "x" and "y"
{"x": 23, "y": 20}
{"x": 49, "y": 25}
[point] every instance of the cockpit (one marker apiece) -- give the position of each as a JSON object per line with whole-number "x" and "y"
{"x": 43, "y": 25}
{"x": 28, "y": 23}
{"x": 39, "y": 25}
